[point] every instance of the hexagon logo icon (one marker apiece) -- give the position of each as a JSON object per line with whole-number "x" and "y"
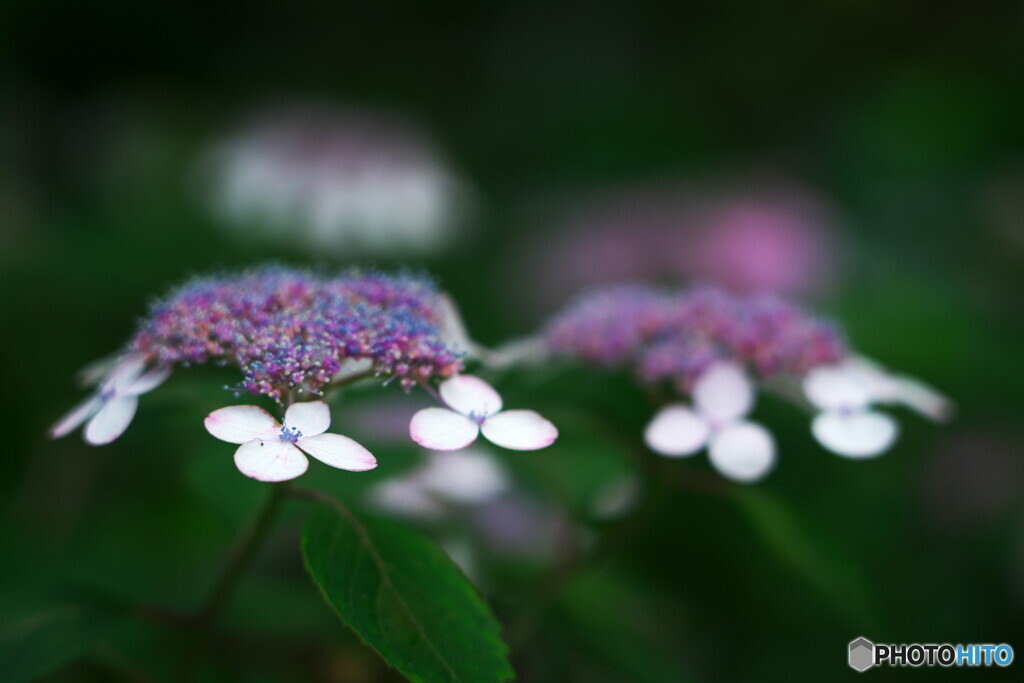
{"x": 862, "y": 654}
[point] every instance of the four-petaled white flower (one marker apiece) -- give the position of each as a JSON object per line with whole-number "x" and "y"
{"x": 846, "y": 424}
{"x": 111, "y": 409}
{"x": 889, "y": 388}
{"x": 475, "y": 407}
{"x": 270, "y": 451}
{"x": 722, "y": 397}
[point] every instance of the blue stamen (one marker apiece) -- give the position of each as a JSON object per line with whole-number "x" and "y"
{"x": 290, "y": 434}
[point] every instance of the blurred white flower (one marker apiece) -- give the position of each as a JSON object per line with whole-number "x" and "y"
{"x": 722, "y": 397}
{"x": 845, "y": 394}
{"x": 110, "y": 410}
{"x": 887, "y": 387}
{"x": 445, "y": 479}
{"x": 768, "y": 236}
{"x": 847, "y": 425}
{"x": 341, "y": 183}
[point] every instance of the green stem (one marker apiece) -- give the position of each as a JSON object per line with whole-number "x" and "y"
{"x": 302, "y": 493}
{"x": 241, "y": 554}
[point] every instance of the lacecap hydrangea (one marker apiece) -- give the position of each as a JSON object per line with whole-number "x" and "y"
{"x": 294, "y": 335}
{"x": 716, "y": 348}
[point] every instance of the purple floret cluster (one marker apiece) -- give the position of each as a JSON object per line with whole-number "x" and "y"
{"x": 291, "y": 330}
{"x": 674, "y": 336}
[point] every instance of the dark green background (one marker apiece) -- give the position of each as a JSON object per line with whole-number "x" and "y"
{"x": 905, "y": 115}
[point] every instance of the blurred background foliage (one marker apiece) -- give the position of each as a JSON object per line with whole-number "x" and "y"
{"x": 902, "y": 118}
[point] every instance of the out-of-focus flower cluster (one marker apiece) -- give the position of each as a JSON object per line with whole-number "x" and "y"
{"x": 676, "y": 336}
{"x": 336, "y": 182}
{"x": 714, "y": 347}
{"x": 291, "y": 330}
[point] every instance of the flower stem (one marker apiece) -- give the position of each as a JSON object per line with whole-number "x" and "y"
{"x": 241, "y": 554}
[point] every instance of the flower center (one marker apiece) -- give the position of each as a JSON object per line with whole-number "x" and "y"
{"x": 290, "y": 434}
{"x": 478, "y": 417}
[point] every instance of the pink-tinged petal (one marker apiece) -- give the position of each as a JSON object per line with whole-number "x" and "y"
{"x": 270, "y": 460}
{"x": 338, "y": 451}
{"x": 519, "y": 430}
{"x": 676, "y": 431}
{"x": 111, "y": 420}
{"x": 148, "y": 382}
{"x": 925, "y": 400}
{"x": 440, "y": 429}
{"x": 834, "y": 387}
{"x": 470, "y": 396}
{"x": 862, "y": 434}
{"x": 125, "y": 372}
{"x": 239, "y": 424}
{"x": 76, "y": 416}
{"x": 723, "y": 393}
{"x": 310, "y": 418}
{"x": 743, "y": 452}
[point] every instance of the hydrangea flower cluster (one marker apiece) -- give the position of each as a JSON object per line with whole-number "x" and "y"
{"x": 677, "y": 336}
{"x": 293, "y": 331}
{"x": 294, "y": 335}
{"x": 712, "y": 346}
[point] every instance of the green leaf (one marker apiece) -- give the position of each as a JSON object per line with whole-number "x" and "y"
{"x": 34, "y": 645}
{"x": 404, "y": 597}
{"x": 812, "y": 557}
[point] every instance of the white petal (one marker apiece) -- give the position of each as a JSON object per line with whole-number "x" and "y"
{"x": 338, "y": 451}
{"x": 310, "y": 418}
{"x": 76, "y": 416}
{"x": 862, "y": 434}
{"x": 440, "y": 429}
{"x": 881, "y": 386}
{"x": 239, "y": 424}
{"x": 886, "y": 387}
{"x": 723, "y": 393}
{"x": 111, "y": 421}
{"x": 676, "y": 431}
{"x": 96, "y": 371}
{"x": 743, "y": 452}
{"x": 469, "y": 477}
{"x": 125, "y": 372}
{"x": 924, "y": 399}
{"x": 452, "y": 329}
{"x": 520, "y": 430}
{"x": 270, "y": 460}
{"x": 834, "y": 387}
{"x": 470, "y": 396}
{"x": 148, "y": 382}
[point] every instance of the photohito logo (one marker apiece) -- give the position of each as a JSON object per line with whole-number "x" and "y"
{"x": 863, "y": 654}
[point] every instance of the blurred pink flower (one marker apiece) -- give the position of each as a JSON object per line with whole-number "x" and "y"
{"x": 774, "y": 244}
{"x": 778, "y": 238}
